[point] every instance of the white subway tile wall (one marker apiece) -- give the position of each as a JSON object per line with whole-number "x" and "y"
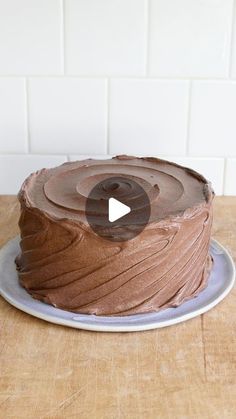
{"x": 230, "y": 180}
{"x": 105, "y": 37}
{"x": 13, "y": 124}
{"x": 233, "y": 69}
{"x": 190, "y": 38}
{"x": 148, "y": 115}
{"x": 67, "y": 115}
{"x": 30, "y": 37}
{"x": 89, "y": 78}
{"x": 213, "y": 118}
{"x": 15, "y": 168}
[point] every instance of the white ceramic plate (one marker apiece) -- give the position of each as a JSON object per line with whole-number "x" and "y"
{"x": 220, "y": 283}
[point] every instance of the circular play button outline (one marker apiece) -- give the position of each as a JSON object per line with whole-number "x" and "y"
{"x": 106, "y": 205}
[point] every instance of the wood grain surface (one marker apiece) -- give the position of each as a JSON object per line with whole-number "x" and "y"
{"x": 183, "y": 371}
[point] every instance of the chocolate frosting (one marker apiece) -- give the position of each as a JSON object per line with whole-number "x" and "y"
{"x": 64, "y": 263}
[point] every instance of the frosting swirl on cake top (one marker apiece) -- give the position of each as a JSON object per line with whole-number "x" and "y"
{"x": 62, "y": 191}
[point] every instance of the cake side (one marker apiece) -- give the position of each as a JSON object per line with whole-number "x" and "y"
{"x": 64, "y": 263}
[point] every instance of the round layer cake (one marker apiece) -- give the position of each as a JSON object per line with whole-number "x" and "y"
{"x": 63, "y": 262}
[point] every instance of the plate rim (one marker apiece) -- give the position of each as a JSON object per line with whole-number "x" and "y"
{"x": 119, "y": 328}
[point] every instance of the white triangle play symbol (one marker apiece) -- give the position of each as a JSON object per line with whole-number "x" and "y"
{"x": 116, "y": 209}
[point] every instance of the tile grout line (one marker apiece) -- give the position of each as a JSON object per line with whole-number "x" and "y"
{"x": 62, "y": 35}
{"x": 27, "y": 115}
{"x": 147, "y": 35}
{"x": 198, "y": 157}
{"x": 120, "y": 77}
{"x": 231, "y": 40}
{"x": 108, "y": 116}
{"x": 63, "y": 43}
{"x": 224, "y": 176}
{"x": 188, "y": 118}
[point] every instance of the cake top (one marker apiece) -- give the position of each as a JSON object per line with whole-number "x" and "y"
{"x": 62, "y": 191}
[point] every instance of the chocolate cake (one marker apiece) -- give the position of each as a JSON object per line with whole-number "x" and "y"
{"x": 63, "y": 262}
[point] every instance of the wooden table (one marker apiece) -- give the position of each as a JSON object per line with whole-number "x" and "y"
{"x": 184, "y": 371}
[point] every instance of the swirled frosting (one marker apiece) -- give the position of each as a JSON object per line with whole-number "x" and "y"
{"x": 64, "y": 263}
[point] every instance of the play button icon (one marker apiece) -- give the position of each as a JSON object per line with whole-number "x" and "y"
{"x": 118, "y": 207}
